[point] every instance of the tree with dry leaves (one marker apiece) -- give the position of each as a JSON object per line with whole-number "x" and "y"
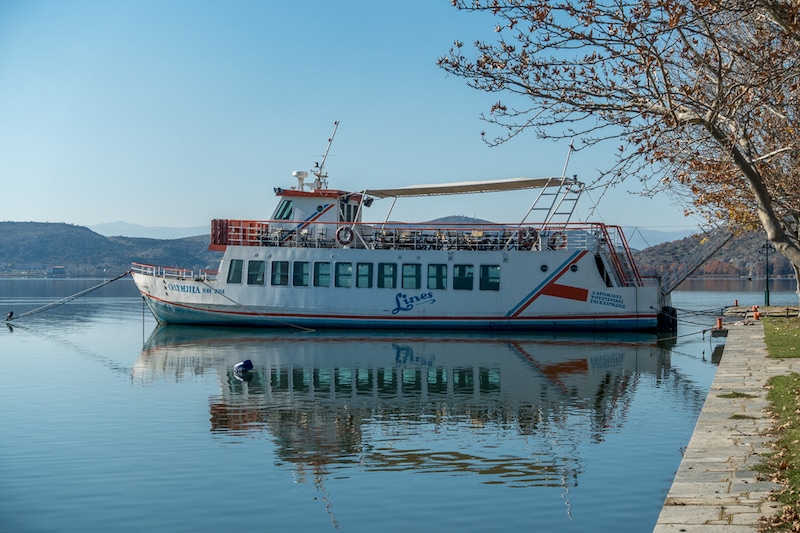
{"x": 697, "y": 96}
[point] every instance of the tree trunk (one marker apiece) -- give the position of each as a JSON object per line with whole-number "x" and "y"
{"x": 773, "y": 226}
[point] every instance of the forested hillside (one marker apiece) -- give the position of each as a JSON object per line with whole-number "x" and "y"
{"x": 30, "y": 248}
{"x": 742, "y": 256}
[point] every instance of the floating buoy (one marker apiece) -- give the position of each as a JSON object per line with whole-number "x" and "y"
{"x": 243, "y": 366}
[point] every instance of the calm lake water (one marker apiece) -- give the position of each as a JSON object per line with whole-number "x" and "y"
{"x": 109, "y": 423}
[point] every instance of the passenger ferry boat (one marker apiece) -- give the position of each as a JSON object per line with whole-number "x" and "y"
{"x": 317, "y": 264}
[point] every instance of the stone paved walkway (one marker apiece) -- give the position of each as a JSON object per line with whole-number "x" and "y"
{"x": 715, "y": 488}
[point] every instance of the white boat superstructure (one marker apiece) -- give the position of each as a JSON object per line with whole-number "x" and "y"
{"x": 316, "y": 264}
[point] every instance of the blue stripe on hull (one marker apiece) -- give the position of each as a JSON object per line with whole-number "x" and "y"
{"x": 176, "y": 314}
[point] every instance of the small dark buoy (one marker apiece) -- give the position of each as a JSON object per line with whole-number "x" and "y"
{"x": 10, "y": 315}
{"x": 244, "y": 366}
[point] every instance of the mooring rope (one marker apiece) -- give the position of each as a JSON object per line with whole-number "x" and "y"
{"x": 64, "y": 300}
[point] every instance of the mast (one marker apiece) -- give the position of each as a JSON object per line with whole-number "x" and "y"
{"x": 322, "y": 178}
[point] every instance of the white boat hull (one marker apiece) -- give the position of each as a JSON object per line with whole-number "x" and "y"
{"x": 539, "y": 290}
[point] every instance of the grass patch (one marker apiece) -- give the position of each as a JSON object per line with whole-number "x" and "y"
{"x": 739, "y": 416}
{"x": 782, "y": 336}
{"x": 735, "y": 394}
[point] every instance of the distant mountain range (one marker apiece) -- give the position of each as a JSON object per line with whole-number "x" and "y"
{"x": 126, "y": 229}
{"x": 31, "y": 248}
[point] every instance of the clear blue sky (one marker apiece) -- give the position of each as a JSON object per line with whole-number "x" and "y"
{"x": 172, "y": 113}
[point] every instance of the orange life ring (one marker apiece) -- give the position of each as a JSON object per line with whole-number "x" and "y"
{"x": 344, "y": 235}
{"x": 557, "y": 241}
{"x": 527, "y": 238}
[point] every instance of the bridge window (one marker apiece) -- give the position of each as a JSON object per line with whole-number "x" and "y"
{"x": 347, "y": 211}
{"x": 463, "y": 276}
{"x": 255, "y": 272}
{"x": 322, "y": 274}
{"x": 412, "y": 276}
{"x": 280, "y": 273}
{"x": 235, "y": 271}
{"x": 364, "y": 275}
{"x": 344, "y": 274}
{"x": 387, "y": 275}
{"x": 300, "y": 274}
{"x": 284, "y": 211}
{"x": 490, "y": 278}
{"x": 437, "y": 276}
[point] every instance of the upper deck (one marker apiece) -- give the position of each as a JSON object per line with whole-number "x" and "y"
{"x": 601, "y": 239}
{"x": 314, "y": 216}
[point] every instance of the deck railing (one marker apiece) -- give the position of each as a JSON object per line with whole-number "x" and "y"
{"x": 401, "y": 235}
{"x": 607, "y": 241}
{"x": 173, "y": 272}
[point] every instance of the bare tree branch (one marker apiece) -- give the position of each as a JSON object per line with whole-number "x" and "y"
{"x": 701, "y": 97}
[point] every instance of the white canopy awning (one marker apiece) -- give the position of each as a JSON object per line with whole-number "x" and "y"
{"x": 468, "y": 187}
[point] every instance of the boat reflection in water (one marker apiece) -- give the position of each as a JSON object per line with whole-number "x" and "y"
{"x": 512, "y": 407}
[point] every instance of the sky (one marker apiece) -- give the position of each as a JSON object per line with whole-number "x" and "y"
{"x": 173, "y": 113}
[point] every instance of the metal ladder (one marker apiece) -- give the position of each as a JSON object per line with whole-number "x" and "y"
{"x": 565, "y": 193}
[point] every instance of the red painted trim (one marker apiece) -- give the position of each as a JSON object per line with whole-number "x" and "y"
{"x": 319, "y": 193}
{"x": 564, "y": 291}
{"x": 552, "y": 283}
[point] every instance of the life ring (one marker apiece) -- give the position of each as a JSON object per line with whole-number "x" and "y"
{"x": 526, "y": 238}
{"x": 557, "y": 241}
{"x": 344, "y": 235}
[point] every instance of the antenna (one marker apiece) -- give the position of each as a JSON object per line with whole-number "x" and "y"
{"x": 322, "y": 177}
{"x": 566, "y": 163}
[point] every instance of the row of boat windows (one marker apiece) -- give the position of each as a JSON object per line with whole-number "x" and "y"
{"x": 365, "y": 275}
{"x": 367, "y": 381}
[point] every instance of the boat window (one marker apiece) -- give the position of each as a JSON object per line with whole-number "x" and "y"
{"x": 284, "y": 211}
{"x": 235, "y": 271}
{"x": 344, "y": 274}
{"x": 300, "y": 274}
{"x": 387, "y": 275}
{"x": 255, "y": 272}
{"x": 462, "y": 277}
{"x": 437, "y": 276}
{"x": 322, "y": 274}
{"x": 412, "y": 276}
{"x": 490, "y": 278}
{"x": 346, "y": 211}
{"x": 489, "y": 380}
{"x": 364, "y": 275}
{"x": 280, "y": 273}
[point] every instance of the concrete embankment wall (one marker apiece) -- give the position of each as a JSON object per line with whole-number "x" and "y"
{"x": 716, "y": 488}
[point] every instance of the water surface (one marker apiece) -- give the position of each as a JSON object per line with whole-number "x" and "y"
{"x": 112, "y": 423}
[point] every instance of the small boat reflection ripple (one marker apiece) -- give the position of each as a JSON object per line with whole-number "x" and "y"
{"x": 513, "y": 409}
